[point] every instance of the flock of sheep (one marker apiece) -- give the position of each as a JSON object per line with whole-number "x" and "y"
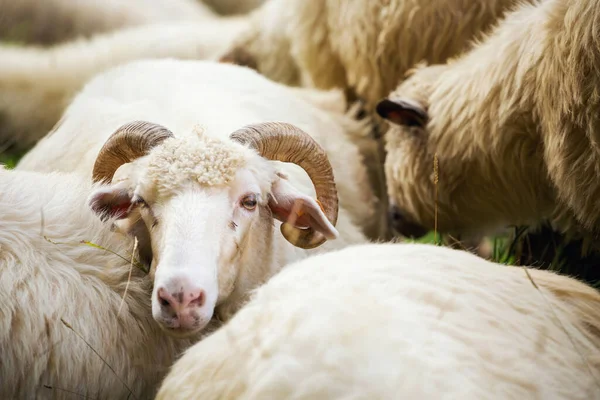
{"x": 207, "y": 208}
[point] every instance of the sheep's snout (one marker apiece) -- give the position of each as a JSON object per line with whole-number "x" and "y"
{"x": 182, "y": 307}
{"x": 399, "y": 223}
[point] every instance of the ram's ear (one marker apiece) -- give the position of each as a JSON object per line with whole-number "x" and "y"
{"x": 289, "y": 205}
{"x": 403, "y": 112}
{"x": 111, "y": 202}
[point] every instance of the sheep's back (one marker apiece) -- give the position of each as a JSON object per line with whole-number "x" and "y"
{"x": 377, "y": 321}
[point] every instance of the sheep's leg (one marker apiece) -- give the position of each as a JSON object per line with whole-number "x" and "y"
{"x": 37, "y": 84}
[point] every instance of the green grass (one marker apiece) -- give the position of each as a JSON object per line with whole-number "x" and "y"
{"x": 503, "y": 250}
{"x": 545, "y": 249}
{"x": 10, "y": 160}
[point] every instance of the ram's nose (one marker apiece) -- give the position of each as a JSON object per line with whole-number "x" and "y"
{"x": 401, "y": 224}
{"x": 182, "y": 306}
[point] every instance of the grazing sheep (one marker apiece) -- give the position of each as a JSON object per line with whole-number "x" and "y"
{"x": 52, "y": 21}
{"x": 363, "y": 46}
{"x": 385, "y": 321}
{"x": 47, "y": 276}
{"x": 219, "y": 98}
{"x": 36, "y": 85}
{"x": 514, "y": 124}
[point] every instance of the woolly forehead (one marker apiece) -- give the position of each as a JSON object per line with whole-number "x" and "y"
{"x": 180, "y": 162}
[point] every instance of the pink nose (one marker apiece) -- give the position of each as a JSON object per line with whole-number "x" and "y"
{"x": 182, "y": 299}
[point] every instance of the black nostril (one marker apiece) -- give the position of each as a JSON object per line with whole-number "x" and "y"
{"x": 163, "y": 298}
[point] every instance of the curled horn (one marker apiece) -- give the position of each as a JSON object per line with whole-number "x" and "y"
{"x": 130, "y": 141}
{"x": 288, "y": 143}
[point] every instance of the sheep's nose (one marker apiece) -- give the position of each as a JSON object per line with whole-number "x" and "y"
{"x": 403, "y": 225}
{"x": 181, "y": 300}
{"x": 181, "y": 306}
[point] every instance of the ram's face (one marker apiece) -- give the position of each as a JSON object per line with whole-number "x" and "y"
{"x": 201, "y": 209}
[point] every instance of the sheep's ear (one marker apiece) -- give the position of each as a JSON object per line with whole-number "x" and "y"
{"x": 289, "y": 205}
{"x": 111, "y": 202}
{"x": 402, "y": 112}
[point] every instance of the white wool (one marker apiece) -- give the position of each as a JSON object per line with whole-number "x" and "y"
{"x": 47, "y": 276}
{"x": 199, "y": 158}
{"x": 36, "y": 85}
{"x": 391, "y": 321}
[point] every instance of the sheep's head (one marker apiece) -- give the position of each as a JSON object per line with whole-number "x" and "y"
{"x": 458, "y": 158}
{"x": 203, "y": 209}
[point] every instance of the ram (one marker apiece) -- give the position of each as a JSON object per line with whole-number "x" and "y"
{"x": 199, "y": 212}
{"x": 514, "y": 127}
{"x": 382, "y": 321}
{"x": 218, "y": 98}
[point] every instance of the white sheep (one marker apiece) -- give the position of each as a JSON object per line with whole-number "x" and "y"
{"x": 513, "y": 123}
{"x": 47, "y": 276}
{"x": 384, "y": 321}
{"x": 204, "y": 211}
{"x": 51, "y": 21}
{"x": 219, "y": 98}
{"x": 204, "y": 102}
{"x": 36, "y": 85}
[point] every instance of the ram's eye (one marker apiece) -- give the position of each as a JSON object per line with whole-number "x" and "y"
{"x": 249, "y": 202}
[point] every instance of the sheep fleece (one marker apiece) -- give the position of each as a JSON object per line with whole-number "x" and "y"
{"x": 385, "y": 321}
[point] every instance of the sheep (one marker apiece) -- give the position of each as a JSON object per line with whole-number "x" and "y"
{"x": 381, "y": 321}
{"x": 512, "y": 126}
{"x": 362, "y": 46}
{"x": 198, "y": 101}
{"x": 36, "y": 85}
{"x": 202, "y": 213}
{"x": 219, "y": 98}
{"x": 47, "y": 276}
{"x": 286, "y": 40}
{"x": 51, "y": 21}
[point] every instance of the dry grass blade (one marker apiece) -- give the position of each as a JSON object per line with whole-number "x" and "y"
{"x": 564, "y": 328}
{"x": 97, "y": 246}
{"x": 135, "y": 243}
{"x": 135, "y": 262}
{"x": 65, "y": 323}
{"x": 435, "y": 183}
{"x": 68, "y": 391}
